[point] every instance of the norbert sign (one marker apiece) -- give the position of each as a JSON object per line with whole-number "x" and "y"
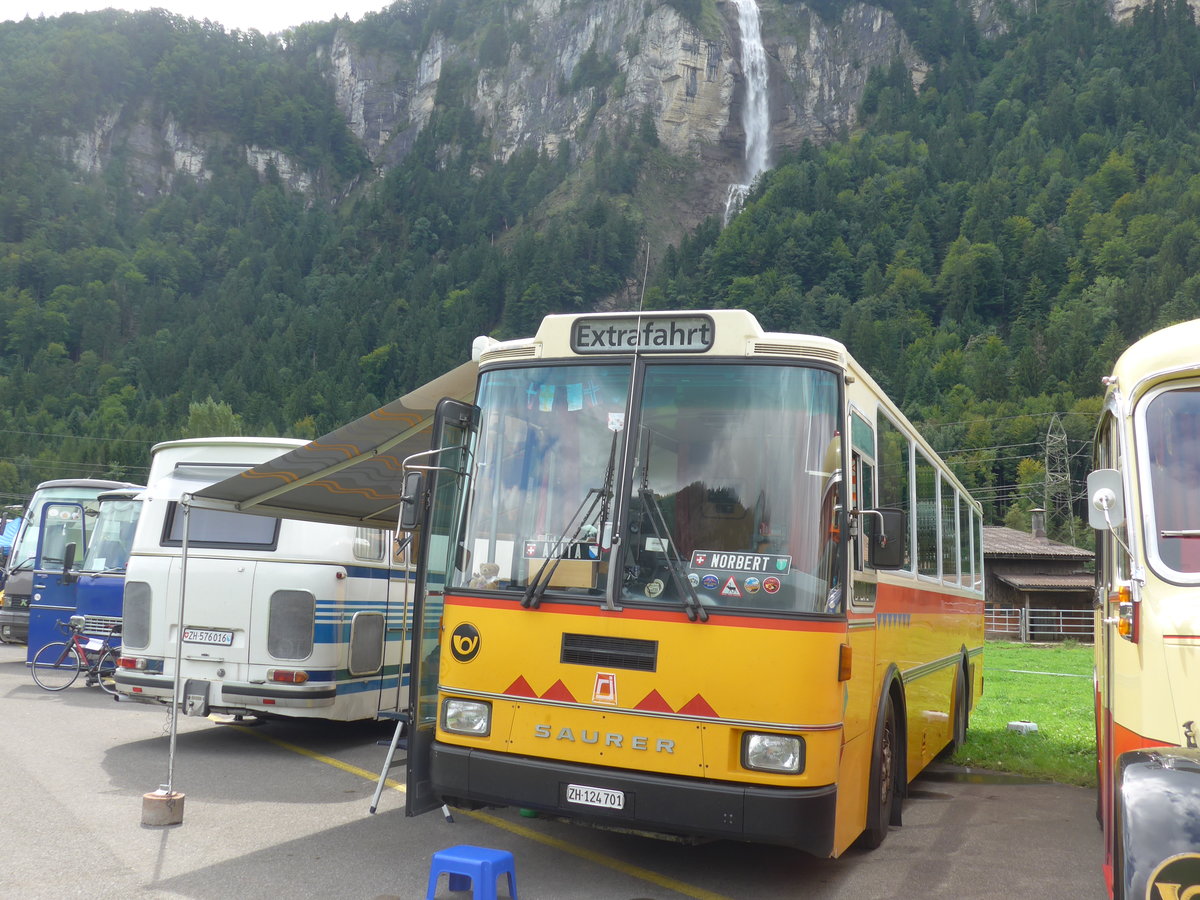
{"x": 646, "y": 334}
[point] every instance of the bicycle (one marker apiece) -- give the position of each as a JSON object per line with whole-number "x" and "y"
{"x": 56, "y": 665}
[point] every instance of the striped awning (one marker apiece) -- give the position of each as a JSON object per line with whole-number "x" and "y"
{"x": 350, "y": 476}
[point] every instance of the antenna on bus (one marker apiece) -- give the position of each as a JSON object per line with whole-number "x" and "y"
{"x": 627, "y": 442}
{"x": 645, "y": 275}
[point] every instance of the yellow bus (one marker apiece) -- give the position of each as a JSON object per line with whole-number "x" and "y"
{"x": 1144, "y": 495}
{"x": 688, "y": 578}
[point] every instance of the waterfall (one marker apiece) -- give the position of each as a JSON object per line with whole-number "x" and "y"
{"x": 756, "y": 118}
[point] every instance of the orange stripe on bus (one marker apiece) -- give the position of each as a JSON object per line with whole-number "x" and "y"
{"x": 1125, "y": 740}
{"x": 833, "y": 626}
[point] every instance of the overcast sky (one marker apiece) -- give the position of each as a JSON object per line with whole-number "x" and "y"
{"x": 266, "y": 15}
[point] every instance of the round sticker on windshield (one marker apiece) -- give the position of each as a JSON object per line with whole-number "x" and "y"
{"x": 654, "y": 588}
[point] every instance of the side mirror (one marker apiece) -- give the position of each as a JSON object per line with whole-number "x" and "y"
{"x": 887, "y": 537}
{"x": 68, "y": 576}
{"x": 410, "y": 501}
{"x": 1106, "y": 499}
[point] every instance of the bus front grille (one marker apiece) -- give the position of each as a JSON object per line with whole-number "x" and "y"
{"x": 610, "y": 652}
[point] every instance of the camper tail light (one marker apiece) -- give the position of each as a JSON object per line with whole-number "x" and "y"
{"x": 773, "y": 753}
{"x": 471, "y": 717}
{"x": 287, "y": 676}
{"x": 140, "y": 663}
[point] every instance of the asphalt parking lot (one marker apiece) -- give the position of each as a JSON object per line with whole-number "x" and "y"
{"x": 280, "y": 808}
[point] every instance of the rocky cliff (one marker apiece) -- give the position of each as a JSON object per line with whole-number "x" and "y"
{"x": 551, "y": 71}
{"x": 688, "y": 77}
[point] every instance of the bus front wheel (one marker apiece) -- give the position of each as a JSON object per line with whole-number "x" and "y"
{"x": 882, "y": 799}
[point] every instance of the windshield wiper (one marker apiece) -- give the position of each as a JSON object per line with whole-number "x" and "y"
{"x": 536, "y": 588}
{"x": 691, "y": 601}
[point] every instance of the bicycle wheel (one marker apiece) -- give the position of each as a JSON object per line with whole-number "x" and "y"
{"x": 106, "y": 671}
{"x": 56, "y": 666}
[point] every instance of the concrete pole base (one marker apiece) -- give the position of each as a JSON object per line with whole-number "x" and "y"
{"x": 162, "y": 808}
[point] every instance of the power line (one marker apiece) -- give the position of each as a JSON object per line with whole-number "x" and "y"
{"x": 921, "y": 426}
{"x": 76, "y": 437}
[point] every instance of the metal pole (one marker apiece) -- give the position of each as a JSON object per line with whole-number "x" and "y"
{"x": 185, "y": 505}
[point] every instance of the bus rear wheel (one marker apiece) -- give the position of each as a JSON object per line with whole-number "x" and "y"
{"x": 882, "y": 797}
{"x": 962, "y": 712}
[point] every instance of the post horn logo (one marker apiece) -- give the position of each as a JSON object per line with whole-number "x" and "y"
{"x": 464, "y": 642}
{"x": 1177, "y": 878}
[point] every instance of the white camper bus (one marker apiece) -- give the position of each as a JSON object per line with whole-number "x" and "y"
{"x": 266, "y": 616}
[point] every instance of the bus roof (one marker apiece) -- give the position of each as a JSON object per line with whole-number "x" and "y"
{"x": 1167, "y": 353}
{"x": 85, "y": 483}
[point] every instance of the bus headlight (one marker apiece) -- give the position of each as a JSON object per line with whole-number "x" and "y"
{"x": 773, "y": 753}
{"x": 461, "y": 716}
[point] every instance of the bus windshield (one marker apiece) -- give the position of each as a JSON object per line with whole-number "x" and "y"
{"x": 1172, "y": 437}
{"x": 63, "y": 527}
{"x": 730, "y": 496}
{"x": 112, "y": 536}
{"x": 734, "y": 494}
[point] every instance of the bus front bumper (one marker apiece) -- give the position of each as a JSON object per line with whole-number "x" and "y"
{"x": 661, "y": 804}
{"x": 14, "y": 625}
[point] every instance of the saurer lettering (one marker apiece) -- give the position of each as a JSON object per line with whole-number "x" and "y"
{"x": 607, "y": 739}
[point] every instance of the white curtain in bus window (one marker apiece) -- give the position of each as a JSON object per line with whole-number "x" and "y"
{"x": 290, "y": 624}
{"x": 927, "y": 517}
{"x": 949, "y": 534}
{"x": 893, "y": 474}
{"x": 369, "y": 544}
{"x": 1173, "y": 445}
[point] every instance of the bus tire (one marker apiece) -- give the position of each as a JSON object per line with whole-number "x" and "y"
{"x": 882, "y": 797}
{"x": 962, "y": 712}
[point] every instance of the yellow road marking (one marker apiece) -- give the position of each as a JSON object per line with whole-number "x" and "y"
{"x": 600, "y": 859}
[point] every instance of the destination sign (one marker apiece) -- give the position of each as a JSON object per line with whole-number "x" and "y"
{"x": 740, "y": 562}
{"x": 550, "y": 549}
{"x": 645, "y": 334}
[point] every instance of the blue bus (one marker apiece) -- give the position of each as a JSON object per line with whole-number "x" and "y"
{"x": 58, "y": 515}
{"x": 93, "y": 590}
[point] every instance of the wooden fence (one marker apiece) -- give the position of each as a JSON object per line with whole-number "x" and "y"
{"x": 1027, "y": 625}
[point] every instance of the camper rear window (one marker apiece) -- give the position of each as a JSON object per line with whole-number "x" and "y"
{"x": 215, "y": 528}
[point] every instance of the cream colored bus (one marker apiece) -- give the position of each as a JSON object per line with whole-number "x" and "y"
{"x": 1144, "y": 499}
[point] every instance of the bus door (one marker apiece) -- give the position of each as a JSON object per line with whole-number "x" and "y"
{"x": 433, "y": 508}
{"x": 861, "y": 624}
{"x": 53, "y": 598}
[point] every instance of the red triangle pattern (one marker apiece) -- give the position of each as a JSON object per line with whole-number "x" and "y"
{"x": 558, "y": 691}
{"x": 698, "y": 706}
{"x": 520, "y": 688}
{"x": 653, "y": 702}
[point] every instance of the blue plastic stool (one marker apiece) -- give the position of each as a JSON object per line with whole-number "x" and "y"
{"x": 473, "y": 867}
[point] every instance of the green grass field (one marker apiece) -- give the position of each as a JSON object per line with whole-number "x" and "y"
{"x": 1049, "y": 685}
